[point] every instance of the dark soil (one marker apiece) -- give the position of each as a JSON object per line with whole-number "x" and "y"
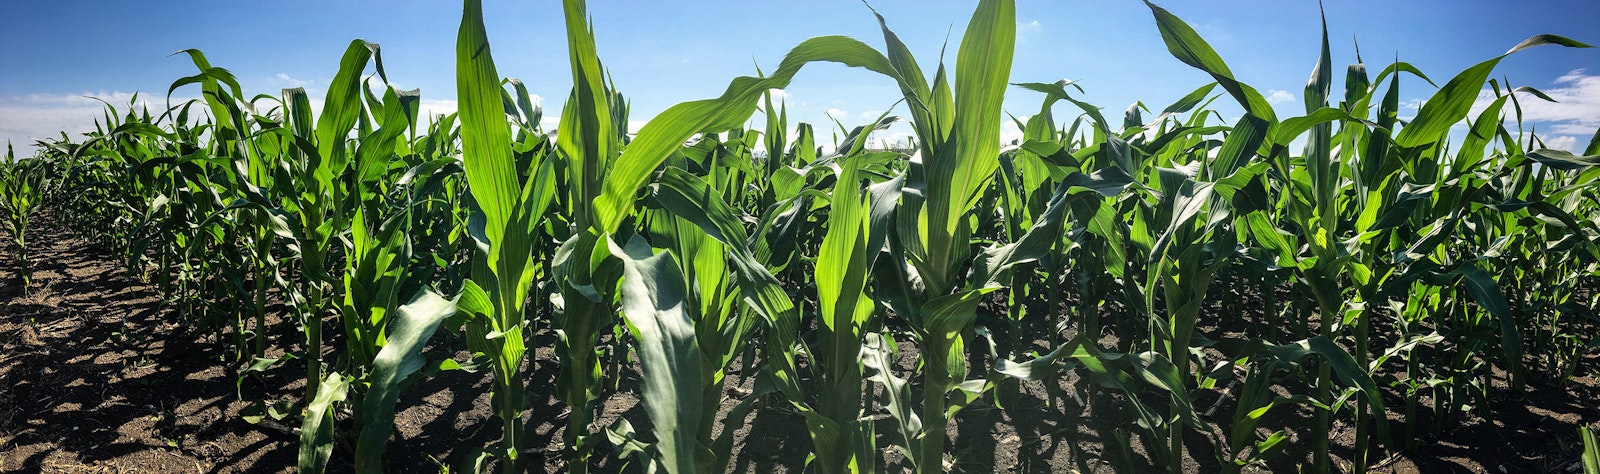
{"x": 96, "y": 375}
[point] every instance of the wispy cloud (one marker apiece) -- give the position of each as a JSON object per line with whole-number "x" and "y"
{"x": 1560, "y": 123}
{"x": 428, "y": 108}
{"x": 1275, "y": 96}
{"x": 1026, "y": 29}
{"x": 1576, "y": 110}
{"x": 1563, "y": 142}
{"x": 1009, "y": 132}
{"x": 24, "y": 119}
{"x": 290, "y": 80}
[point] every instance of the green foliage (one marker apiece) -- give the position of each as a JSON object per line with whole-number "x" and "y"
{"x": 735, "y": 268}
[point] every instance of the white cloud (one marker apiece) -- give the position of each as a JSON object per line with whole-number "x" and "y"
{"x": 1275, "y": 96}
{"x": 1573, "y": 114}
{"x": 1026, "y": 30}
{"x": 1408, "y": 109}
{"x": 836, "y": 112}
{"x": 1009, "y": 132}
{"x": 24, "y": 119}
{"x": 291, "y": 81}
{"x": 429, "y": 108}
{"x": 1563, "y": 142}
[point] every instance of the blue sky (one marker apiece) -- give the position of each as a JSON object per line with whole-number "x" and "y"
{"x": 55, "y": 52}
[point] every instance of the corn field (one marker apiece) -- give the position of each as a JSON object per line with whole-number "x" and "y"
{"x": 1228, "y": 294}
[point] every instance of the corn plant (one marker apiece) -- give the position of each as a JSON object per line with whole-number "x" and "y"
{"x": 708, "y": 245}
{"x": 1591, "y": 450}
{"x": 509, "y": 210}
{"x": 21, "y": 186}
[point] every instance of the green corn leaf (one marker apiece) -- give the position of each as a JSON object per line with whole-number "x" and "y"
{"x": 1544, "y": 39}
{"x": 693, "y": 200}
{"x": 878, "y": 356}
{"x": 1189, "y": 101}
{"x": 1591, "y": 450}
{"x": 992, "y": 267}
{"x": 1186, "y": 45}
{"x": 407, "y": 334}
{"x": 316, "y": 432}
{"x": 1473, "y": 146}
{"x": 946, "y": 317}
{"x": 485, "y": 134}
{"x": 588, "y": 137}
{"x": 1157, "y": 370}
{"x": 342, "y": 105}
{"x": 1564, "y": 160}
{"x": 653, "y": 293}
{"x": 669, "y": 129}
{"x": 983, "y": 68}
{"x": 1345, "y": 367}
{"x": 927, "y": 119}
{"x": 1291, "y": 128}
{"x": 843, "y": 261}
{"x": 1453, "y": 101}
{"x": 1239, "y": 147}
{"x": 1486, "y": 292}
{"x": 1318, "y": 152}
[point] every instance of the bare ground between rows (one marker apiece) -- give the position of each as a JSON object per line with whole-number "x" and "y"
{"x": 97, "y": 376}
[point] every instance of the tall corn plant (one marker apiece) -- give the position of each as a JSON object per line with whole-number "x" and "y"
{"x": 958, "y": 135}
{"x": 590, "y": 138}
{"x": 664, "y": 135}
{"x": 959, "y": 175}
{"x": 724, "y": 263}
{"x": 21, "y": 189}
{"x": 252, "y": 157}
{"x": 840, "y": 434}
{"x": 384, "y": 334}
{"x": 305, "y": 199}
{"x": 503, "y": 226}
{"x": 1260, "y": 131}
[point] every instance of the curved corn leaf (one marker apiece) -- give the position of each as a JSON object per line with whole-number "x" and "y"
{"x": 1486, "y": 292}
{"x": 994, "y": 264}
{"x": 1564, "y": 160}
{"x": 316, "y": 431}
{"x": 1186, "y": 45}
{"x": 669, "y": 129}
{"x": 1453, "y": 101}
{"x": 653, "y": 293}
{"x": 408, "y": 332}
{"x": 1591, "y": 450}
